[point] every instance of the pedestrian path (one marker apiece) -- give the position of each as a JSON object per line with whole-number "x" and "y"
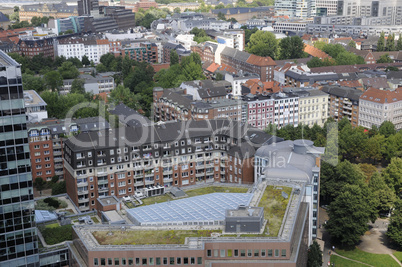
{"x": 346, "y": 258}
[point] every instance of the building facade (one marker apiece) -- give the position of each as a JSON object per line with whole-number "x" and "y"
{"x": 33, "y": 46}
{"x": 57, "y": 11}
{"x": 131, "y": 159}
{"x": 144, "y": 51}
{"x": 343, "y": 103}
{"x": 377, "y": 106}
{"x": 18, "y": 233}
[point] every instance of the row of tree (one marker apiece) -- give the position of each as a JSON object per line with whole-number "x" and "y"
{"x": 354, "y": 188}
{"x": 265, "y": 44}
{"x": 340, "y": 56}
{"x": 389, "y": 45}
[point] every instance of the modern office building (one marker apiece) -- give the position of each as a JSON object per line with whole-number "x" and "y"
{"x": 18, "y": 234}
{"x": 295, "y": 8}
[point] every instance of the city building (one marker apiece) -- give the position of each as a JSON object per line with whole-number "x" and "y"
{"x": 237, "y": 80}
{"x": 295, "y": 8}
{"x": 377, "y": 106}
{"x": 33, "y": 45}
{"x": 326, "y": 7}
{"x": 291, "y": 162}
{"x": 290, "y": 26}
{"x": 35, "y": 106}
{"x": 132, "y": 159}
{"x": 91, "y": 46}
{"x": 55, "y": 10}
{"x": 141, "y": 51}
{"x": 355, "y": 29}
{"x": 246, "y": 62}
{"x": 313, "y": 105}
{"x": 88, "y": 7}
{"x": 144, "y": 5}
{"x": 298, "y": 76}
{"x": 4, "y": 21}
{"x": 169, "y": 46}
{"x": 242, "y": 14}
{"x": 343, "y": 103}
{"x": 46, "y": 143}
{"x": 18, "y": 234}
{"x": 101, "y": 83}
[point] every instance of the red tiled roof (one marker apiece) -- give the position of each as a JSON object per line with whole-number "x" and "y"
{"x": 227, "y": 68}
{"x": 382, "y": 96}
{"x": 343, "y": 39}
{"x": 256, "y": 86}
{"x": 260, "y": 61}
{"x": 103, "y": 96}
{"x": 213, "y": 67}
{"x": 315, "y": 52}
{"x": 354, "y": 83}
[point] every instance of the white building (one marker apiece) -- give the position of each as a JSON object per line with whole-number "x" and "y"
{"x": 35, "y": 107}
{"x": 186, "y": 40}
{"x": 295, "y": 8}
{"x": 237, "y": 80}
{"x": 92, "y": 47}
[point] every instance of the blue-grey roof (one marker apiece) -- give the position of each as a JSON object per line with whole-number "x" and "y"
{"x": 44, "y": 216}
{"x": 3, "y": 18}
{"x": 205, "y": 208}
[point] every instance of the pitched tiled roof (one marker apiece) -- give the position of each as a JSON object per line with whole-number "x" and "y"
{"x": 213, "y": 67}
{"x": 315, "y": 52}
{"x": 375, "y": 82}
{"x": 355, "y": 68}
{"x": 353, "y": 83}
{"x": 261, "y": 61}
{"x": 382, "y": 96}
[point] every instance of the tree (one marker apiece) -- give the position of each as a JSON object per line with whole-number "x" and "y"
{"x": 68, "y": 71}
{"x": 59, "y": 188}
{"x": 352, "y": 44}
{"x": 314, "y": 255}
{"x": 31, "y": 82}
{"x": 387, "y": 129}
{"x": 393, "y": 175}
{"x": 174, "y": 58}
{"x": 385, "y": 59}
{"x": 85, "y": 61}
{"x": 127, "y": 66}
{"x": 319, "y": 45}
{"x": 77, "y": 86}
{"x": 399, "y": 43}
{"x": 349, "y": 214}
{"x": 263, "y": 44}
{"x": 219, "y": 6}
{"x": 381, "y": 42}
{"x": 55, "y": 179}
{"x": 101, "y": 68}
{"x": 291, "y": 47}
{"x": 219, "y": 76}
{"x": 176, "y": 10}
{"x": 53, "y": 80}
{"x": 384, "y": 195}
{"x": 232, "y": 20}
{"x": 248, "y": 33}
{"x": 123, "y": 95}
{"x": 395, "y": 226}
{"x": 39, "y": 184}
{"x": 390, "y": 42}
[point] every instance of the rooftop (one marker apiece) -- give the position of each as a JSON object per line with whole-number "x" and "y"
{"x": 6, "y": 60}
{"x": 32, "y": 99}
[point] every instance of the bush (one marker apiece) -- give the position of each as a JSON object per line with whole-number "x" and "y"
{"x": 57, "y": 234}
{"x": 52, "y": 202}
{"x": 41, "y": 205}
{"x": 59, "y": 188}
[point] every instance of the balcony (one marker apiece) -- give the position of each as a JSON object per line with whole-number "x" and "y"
{"x": 83, "y": 200}
{"x": 149, "y": 182}
{"x": 201, "y": 174}
{"x": 58, "y": 159}
{"x": 139, "y": 175}
{"x": 84, "y": 208}
{"x": 59, "y": 172}
{"x": 201, "y": 166}
{"x": 100, "y": 182}
{"x": 103, "y": 189}
{"x": 167, "y": 180}
{"x": 139, "y": 183}
{"x": 56, "y": 145}
{"x": 56, "y": 153}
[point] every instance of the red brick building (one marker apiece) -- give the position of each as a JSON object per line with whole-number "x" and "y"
{"x": 32, "y": 46}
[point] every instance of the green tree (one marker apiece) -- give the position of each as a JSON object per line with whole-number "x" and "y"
{"x": 39, "y": 184}
{"x": 352, "y": 44}
{"x": 349, "y": 214}
{"x": 381, "y": 42}
{"x": 123, "y": 95}
{"x": 127, "y": 66}
{"x": 263, "y": 44}
{"x": 174, "y": 58}
{"x": 53, "y": 80}
{"x": 77, "y": 86}
{"x": 31, "y": 82}
{"x": 59, "y": 188}
{"x": 101, "y": 68}
{"x": 319, "y": 45}
{"x": 399, "y": 43}
{"x": 387, "y": 129}
{"x": 221, "y": 16}
{"x": 219, "y": 6}
{"x": 392, "y": 175}
{"x": 291, "y": 47}
{"x": 248, "y": 33}
{"x": 85, "y": 61}
{"x": 314, "y": 255}
{"x": 390, "y": 43}
{"x": 385, "y": 59}
{"x": 176, "y": 10}
{"x": 219, "y": 76}
{"x": 373, "y": 149}
{"x": 68, "y": 71}
{"x": 395, "y": 226}
{"x": 384, "y": 195}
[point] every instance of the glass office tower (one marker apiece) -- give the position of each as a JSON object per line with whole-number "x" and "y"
{"x": 18, "y": 239}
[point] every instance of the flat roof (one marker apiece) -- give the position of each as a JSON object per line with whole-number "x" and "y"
{"x": 113, "y": 216}
{"x": 44, "y": 216}
{"x": 6, "y": 60}
{"x": 32, "y": 98}
{"x": 210, "y": 207}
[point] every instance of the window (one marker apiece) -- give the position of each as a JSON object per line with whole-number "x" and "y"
{"x": 256, "y": 252}
{"x": 103, "y": 262}
{"x": 262, "y": 252}
{"x": 242, "y": 253}
{"x": 130, "y": 261}
{"x": 171, "y": 260}
{"x": 109, "y": 261}
{"x": 144, "y": 261}
{"x": 158, "y": 261}
{"x": 249, "y": 252}
{"x": 236, "y": 253}
{"x": 209, "y": 253}
{"x": 96, "y": 262}
{"x": 165, "y": 260}
{"x": 276, "y": 252}
{"x": 178, "y": 260}
{"x": 269, "y": 252}
{"x": 151, "y": 261}
{"x": 283, "y": 254}
{"x": 199, "y": 260}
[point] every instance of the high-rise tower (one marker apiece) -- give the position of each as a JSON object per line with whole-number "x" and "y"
{"x": 18, "y": 234}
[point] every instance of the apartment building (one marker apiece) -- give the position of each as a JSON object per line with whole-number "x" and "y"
{"x": 243, "y": 61}
{"x": 101, "y": 83}
{"x": 55, "y": 10}
{"x": 46, "y": 143}
{"x": 144, "y": 51}
{"x": 18, "y": 233}
{"x": 260, "y": 111}
{"x": 313, "y": 105}
{"x": 90, "y": 46}
{"x": 295, "y": 8}
{"x": 377, "y": 106}
{"x": 297, "y": 76}
{"x": 343, "y": 103}
{"x": 33, "y": 46}
{"x": 131, "y": 159}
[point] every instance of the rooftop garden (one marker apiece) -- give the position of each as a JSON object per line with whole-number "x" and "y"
{"x": 148, "y": 237}
{"x": 195, "y": 192}
{"x": 54, "y": 233}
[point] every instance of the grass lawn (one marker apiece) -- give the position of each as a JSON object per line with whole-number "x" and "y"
{"x": 148, "y": 237}
{"x": 369, "y": 258}
{"x": 341, "y": 262}
{"x": 52, "y": 225}
{"x": 398, "y": 255}
{"x": 94, "y": 219}
{"x": 215, "y": 189}
{"x": 274, "y": 207}
{"x": 195, "y": 192}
